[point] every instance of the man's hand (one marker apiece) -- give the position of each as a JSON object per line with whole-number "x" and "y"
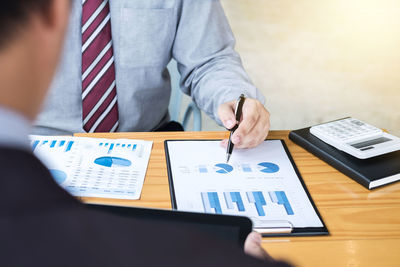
{"x": 252, "y": 247}
{"x": 254, "y": 127}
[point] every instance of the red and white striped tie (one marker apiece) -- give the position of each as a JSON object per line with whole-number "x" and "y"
{"x": 99, "y": 92}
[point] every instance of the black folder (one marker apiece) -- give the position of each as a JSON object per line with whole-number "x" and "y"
{"x": 371, "y": 173}
{"x": 231, "y": 228}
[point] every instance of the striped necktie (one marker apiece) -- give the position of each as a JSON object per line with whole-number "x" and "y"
{"x": 99, "y": 92}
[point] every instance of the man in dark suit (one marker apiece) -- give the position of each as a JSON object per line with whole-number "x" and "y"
{"x": 40, "y": 223}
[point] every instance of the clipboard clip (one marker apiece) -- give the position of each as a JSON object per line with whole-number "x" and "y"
{"x": 274, "y": 227}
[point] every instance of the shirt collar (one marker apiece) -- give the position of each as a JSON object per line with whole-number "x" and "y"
{"x": 14, "y": 129}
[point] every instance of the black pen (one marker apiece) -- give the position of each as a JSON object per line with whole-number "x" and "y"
{"x": 238, "y": 115}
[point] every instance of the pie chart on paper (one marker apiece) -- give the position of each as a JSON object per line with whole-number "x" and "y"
{"x": 59, "y": 176}
{"x": 268, "y": 167}
{"x": 223, "y": 168}
{"x": 113, "y": 162}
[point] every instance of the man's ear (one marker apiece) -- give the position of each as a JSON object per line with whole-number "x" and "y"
{"x": 56, "y": 14}
{"x": 44, "y": 43}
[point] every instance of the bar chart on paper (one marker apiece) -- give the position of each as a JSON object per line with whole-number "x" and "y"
{"x": 95, "y": 167}
{"x": 61, "y": 144}
{"x": 109, "y": 146}
{"x": 259, "y": 183}
{"x": 251, "y": 203}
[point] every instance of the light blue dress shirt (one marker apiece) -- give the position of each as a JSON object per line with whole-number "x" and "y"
{"x": 146, "y": 35}
{"x": 14, "y": 129}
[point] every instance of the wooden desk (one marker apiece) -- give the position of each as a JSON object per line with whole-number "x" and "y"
{"x": 364, "y": 225}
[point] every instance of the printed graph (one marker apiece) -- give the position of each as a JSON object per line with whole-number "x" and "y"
{"x": 245, "y": 203}
{"x": 246, "y": 168}
{"x": 58, "y": 175}
{"x": 257, "y": 198}
{"x": 268, "y": 167}
{"x": 211, "y": 202}
{"x": 111, "y": 146}
{"x": 232, "y": 198}
{"x": 223, "y": 168}
{"x": 279, "y": 197}
{"x": 113, "y": 162}
{"x": 53, "y": 144}
{"x": 203, "y": 169}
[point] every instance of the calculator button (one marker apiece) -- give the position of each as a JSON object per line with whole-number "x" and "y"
{"x": 358, "y": 123}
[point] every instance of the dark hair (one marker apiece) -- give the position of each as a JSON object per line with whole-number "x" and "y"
{"x": 14, "y": 13}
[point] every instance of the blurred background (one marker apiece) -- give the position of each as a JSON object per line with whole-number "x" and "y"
{"x": 320, "y": 60}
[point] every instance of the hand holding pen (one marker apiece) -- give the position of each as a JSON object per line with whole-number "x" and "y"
{"x": 254, "y": 124}
{"x": 238, "y": 116}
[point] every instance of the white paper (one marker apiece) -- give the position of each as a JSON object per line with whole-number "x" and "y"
{"x": 93, "y": 167}
{"x": 259, "y": 183}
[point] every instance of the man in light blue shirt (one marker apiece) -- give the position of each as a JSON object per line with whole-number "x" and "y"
{"x": 40, "y": 222}
{"x": 146, "y": 35}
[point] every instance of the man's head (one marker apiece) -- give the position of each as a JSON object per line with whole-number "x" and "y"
{"x": 31, "y": 37}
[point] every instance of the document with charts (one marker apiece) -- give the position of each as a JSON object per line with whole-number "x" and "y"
{"x": 260, "y": 183}
{"x": 93, "y": 167}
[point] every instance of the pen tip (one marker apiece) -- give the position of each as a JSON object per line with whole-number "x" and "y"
{"x": 227, "y": 158}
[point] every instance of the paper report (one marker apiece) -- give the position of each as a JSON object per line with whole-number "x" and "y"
{"x": 259, "y": 183}
{"x": 93, "y": 167}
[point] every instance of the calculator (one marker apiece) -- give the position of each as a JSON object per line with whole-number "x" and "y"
{"x": 356, "y": 138}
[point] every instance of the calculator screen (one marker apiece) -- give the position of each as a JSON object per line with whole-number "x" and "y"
{"x": 368, "y": 143}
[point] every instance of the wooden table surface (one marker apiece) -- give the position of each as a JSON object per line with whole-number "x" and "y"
{"x": 364, "y": 225}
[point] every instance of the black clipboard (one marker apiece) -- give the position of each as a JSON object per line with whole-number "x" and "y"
{"x": 295, "y": 231}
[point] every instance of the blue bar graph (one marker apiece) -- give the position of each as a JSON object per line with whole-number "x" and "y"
{"x": 206, "y": 203}
{"x": 211, "y": 202}
{"x": 34, "y": 145}
{"x": 257, "y": 198}
{"x": 53, "y": 143}
{"x": 280, "y": 198}
{"x": 246, "y": 168}
{"x": 238, "y": 199}
{"x": 234, "y": 197}
{"x": 203, "y": 169}
{"x": 111, "y": 148}
{"x": 228, "y": 200}
{"x": 69, "y": 146}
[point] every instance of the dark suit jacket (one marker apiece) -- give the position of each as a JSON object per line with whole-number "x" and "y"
{"x": 42, "y": 225}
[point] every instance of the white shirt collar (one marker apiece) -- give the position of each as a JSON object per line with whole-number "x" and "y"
{"x": 14, "y": 129}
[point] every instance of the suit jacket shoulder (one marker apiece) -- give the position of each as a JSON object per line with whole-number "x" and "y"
{"x": 42, "y": 225}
